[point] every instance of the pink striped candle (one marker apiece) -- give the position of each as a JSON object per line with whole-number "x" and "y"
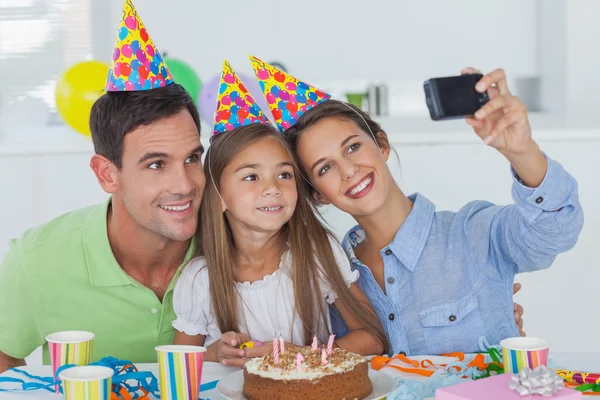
{"x": 281, "y": 345}
{"x": 330, "y": 344}
{"x": 69, "y": 347}
{"x": 324, "y": 357}
{"x": 299, "y": 359}
{"x": 180, "y": 371}
{"x": 521, "y": 352}
{"x": 276, "y": 351}
{"x": 315, "y": 343}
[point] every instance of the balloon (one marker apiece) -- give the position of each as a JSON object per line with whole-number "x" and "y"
{"x": 76, "y": 91}
{"x": 185, "y": 75}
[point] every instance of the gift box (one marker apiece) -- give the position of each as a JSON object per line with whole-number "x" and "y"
{"x": 496, "y": 388}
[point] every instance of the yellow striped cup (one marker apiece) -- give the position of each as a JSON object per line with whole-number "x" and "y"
{"x": 87, "y": 382}
{"x": 69, "y": 347}
{"x": 521, "y": 352}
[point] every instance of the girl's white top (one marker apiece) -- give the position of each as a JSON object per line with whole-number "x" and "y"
{"x": 265, "y": 307}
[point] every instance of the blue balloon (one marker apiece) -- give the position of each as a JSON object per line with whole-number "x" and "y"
{"x": 135, "y": 64}
{"x": 156, "y": 58}
{"x": 163, "y": 71}
{"x": 302, "y": 85}
{"x": 282, "y": 104}
{"x": 120, "y": 84}
{"x": 262, "y": 86}
{"x": 134, "y": 77}
{"x": 234, "y": 95}
{"x": 254, "y": 110}
{"x": 154, "y": 68}
{"x": 286, "y": 115}
{"x": 168, "y": 81}
{"x": 246, "y": 122}
{"x": 223, "y": 88}
{"x": 123, "y": 32}
{"x": 300, "y": 98}
{"x": 234, "y": 109}
{"x": 237, "y": 124}
{"x": 301, "y": 90}
{"x": 138, "y": 86}
{"x": 156, "y": 84}
{"x": 220, "y": 127}
{"x": 275, "y": 89}
{"x": 135, "y": 46}
{"x": 313, "y": 96}
{"x": 147, "y": 84}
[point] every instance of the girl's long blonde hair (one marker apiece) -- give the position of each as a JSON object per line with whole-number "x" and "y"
{"x": 309, "y": 243}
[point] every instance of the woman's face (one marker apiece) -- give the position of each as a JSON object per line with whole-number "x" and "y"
{"x": 345, "y": 166}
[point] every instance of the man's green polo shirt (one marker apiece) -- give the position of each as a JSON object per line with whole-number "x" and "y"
{"x": 63, "y": 276}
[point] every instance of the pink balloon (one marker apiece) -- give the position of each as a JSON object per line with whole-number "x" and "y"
{"x": 126, "y": 50}
{"x": 229, "y": 78}
{"x": 226, "y": 100}
{"x": 263, "y": 74}
{"x": 150, "y": 50}
{"x": 271, "y": 98}
{"x": 291, "y": 86}
{"x": 129, "y": 85}
{"x": 130, "y": 22}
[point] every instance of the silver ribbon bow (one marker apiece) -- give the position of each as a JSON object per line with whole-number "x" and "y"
{"x": 542, "y": 381}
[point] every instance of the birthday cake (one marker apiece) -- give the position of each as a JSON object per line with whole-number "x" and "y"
{"x": 302, "y": 373}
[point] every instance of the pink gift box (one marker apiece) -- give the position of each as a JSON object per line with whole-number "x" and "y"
{"x": 496, "y": 388}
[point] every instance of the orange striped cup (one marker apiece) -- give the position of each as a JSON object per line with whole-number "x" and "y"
{"x": 521, "y": 352}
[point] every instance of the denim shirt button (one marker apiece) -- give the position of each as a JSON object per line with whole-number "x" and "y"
{"x": 391, "y": 317}
{"x": 388, "y": 252}
{"x": 452, "y": 318}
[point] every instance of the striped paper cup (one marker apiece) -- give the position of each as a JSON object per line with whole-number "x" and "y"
{"x": 69, "y": 347}
{"x": 87, "y": 382}
{"x": 521, "y": 352}
{"x": 180, "y": 371}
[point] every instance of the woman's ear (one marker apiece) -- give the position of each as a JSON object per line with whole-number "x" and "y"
{"x": 384, "y": 144}
{"x": 320, "y": 199}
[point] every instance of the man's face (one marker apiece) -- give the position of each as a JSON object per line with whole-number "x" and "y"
{"x": 161, "y": 180}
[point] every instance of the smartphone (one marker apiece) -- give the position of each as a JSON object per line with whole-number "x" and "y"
{"x": 453, "y": 97}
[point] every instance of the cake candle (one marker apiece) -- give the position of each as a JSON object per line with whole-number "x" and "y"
{"x": 299, "y": 359}
{"x": 276, "y": 351}
{"x": 330, "y": 344}
{"x": 315, "y": 343}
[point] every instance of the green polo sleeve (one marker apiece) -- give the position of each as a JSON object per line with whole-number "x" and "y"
{"x": 19, "y": 334}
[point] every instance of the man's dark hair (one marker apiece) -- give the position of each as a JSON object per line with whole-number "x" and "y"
{"x": 115, "y": 114}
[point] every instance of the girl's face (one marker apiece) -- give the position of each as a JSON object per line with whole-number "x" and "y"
{"x": 258, "y": 188}
{"x": 345, "y": 166}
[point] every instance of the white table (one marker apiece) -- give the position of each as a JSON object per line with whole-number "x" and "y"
{"x": 214, "y": 371}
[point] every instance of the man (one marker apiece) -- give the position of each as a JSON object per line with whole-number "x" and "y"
{"x": 110, "y": 269}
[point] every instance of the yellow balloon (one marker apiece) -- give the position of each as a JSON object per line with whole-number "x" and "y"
{"x": 76, "y": 91}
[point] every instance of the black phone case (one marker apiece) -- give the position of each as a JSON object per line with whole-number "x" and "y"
{"x": 453, "y": 97}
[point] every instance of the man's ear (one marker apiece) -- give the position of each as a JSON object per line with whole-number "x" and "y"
{"x": 320, "y": 199}
{"x": 106, "y": 172}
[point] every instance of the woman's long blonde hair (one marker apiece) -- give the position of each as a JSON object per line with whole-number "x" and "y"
{"x": 309, "y": 243}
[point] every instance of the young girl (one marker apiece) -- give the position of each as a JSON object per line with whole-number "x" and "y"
{"x": 439, "y": 281}
{"x": 268, "y": 267}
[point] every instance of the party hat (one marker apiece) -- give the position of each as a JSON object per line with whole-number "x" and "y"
{"x": 136, "y": 62}
{"x": 235, "y": 105}
{"x": 288, "y": 97}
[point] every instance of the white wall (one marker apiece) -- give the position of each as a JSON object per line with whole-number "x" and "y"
{"x": 342, "y": 39}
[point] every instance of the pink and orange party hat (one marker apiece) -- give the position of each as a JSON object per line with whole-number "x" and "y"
{"x": 288, "y": 97}
{"x": 235, "y": 106}
{"x": 136, "y": 62}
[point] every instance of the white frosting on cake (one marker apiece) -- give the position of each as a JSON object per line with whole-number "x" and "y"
{"x": 312, "y": 368}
